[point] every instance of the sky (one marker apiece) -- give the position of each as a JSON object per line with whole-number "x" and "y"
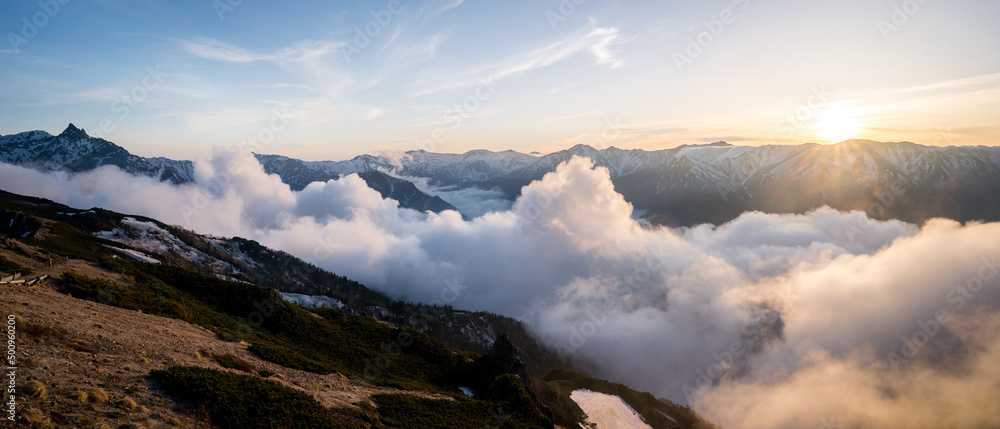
{"x": 332, "y": 80}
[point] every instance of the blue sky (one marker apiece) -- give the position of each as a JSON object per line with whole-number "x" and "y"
{"x": 174, "y": 78}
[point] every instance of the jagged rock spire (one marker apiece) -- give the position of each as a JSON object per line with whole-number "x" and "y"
{"x": 73, "y": 132}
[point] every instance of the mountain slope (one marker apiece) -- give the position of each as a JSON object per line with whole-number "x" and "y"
{"x": 97, "y": 233}
{"x": 298, "y": 174}
{"x": 680, "y": 186}
{"x": 716, "y": 182}
{"x": 74, "y": 150}
{"x": 374, "y": 344}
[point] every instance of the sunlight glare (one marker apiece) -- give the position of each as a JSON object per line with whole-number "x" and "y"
{"x": 837, "y": 125}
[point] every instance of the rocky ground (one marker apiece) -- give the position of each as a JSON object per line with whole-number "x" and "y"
{"x": 85, "y": 364}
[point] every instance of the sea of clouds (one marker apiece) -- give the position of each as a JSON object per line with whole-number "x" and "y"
{"x": 823, "y": 319}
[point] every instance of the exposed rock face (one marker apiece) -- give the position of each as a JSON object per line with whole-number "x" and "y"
{"x": 504, "y": 355}
{"x": 17, "y": 224}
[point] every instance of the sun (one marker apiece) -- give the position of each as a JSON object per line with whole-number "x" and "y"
{"x": 836, "y": 125}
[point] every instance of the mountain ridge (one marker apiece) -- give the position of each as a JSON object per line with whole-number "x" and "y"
{"x": 680, "y": 186}
{"x": 207, "y": 281}
{"x": 73, "y": 150}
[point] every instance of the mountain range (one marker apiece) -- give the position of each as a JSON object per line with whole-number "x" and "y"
{"x": 683, "y": 186}
{"x": 280, "y": 339}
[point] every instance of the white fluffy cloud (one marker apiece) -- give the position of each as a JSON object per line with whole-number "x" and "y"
{"x": 767, "y": 321}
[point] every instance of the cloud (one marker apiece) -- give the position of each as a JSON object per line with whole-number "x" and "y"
{"x": 595, "y": 40}
{"x": 450, "y": 5}
{"x": 220, "y": 51}
{"x": 601, "y": 49}
{"x": 767, "y": 321}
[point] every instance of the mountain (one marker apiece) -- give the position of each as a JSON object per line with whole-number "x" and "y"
{"x": 716, "y": 182}
{"x": 135, "y": 285}
{"x": 298, "y": 174}
{"x": 887, "y": 180}
{"x": 74, "y": 150}
{"x": 682, "y": 186}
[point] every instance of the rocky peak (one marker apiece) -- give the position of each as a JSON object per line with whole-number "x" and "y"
{"x": 505, "y": 355}
{"x": 74, "y": 133}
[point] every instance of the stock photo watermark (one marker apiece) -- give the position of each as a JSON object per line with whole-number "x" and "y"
{"x": 611, "y": 132}
{"x": 279, "y": 121}
{"x": 561, "y": 12}
{"x": 792, "y": 121}
{"x": 899, "y": 17}
{"x": 640, "y": 278}
{"x": 48, "y": 9}
{"x": 365, "y": 34}
{"x": 10, "y": 359}
{"x": 960, "y": 295}
{"x": 713, "y": 30}
{"x": 222, "y": 7}
{"x": 884, "y": 200}
{"x": 459, "y": 112}
{"x": 127, "y": 101}
{"x": 753, "y": 334}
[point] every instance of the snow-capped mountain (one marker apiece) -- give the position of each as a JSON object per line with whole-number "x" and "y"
{"x": 718, "y": 181}
{"x": 679, "y": 186}
{"x": 74, "y": 150}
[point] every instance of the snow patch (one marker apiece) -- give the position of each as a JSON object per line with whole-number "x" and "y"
{"x": 134, "y": 254}
{"x": 74, "y": 214}
{"x": 149, "y": 237}
{"x": 607, "y": 411}
{"x": 312, "y": 301}
{"x": 467, "y": 391}
{"x": 667, "y": 416}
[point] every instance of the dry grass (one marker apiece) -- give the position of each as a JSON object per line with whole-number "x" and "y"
{"x": 99, "y": 396}
{"x": 82, "y": 346}
{"x": 41, "y": 333}
{"x": 36, "y": 418}
{"x": 127, "y": 404}
{"x": 36, "y": 389}
{"x": 80, "y": 396}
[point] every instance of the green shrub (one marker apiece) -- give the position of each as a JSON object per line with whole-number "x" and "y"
{"x": 234, "y": 362}
{"x": 279, "y": 332}
{"x": 507, "y": 405}
{"x": 244, "y": 401}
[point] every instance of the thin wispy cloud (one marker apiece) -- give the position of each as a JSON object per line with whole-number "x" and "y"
{"x": 451, "y": 5}
{"x": 441, "y": 50}
{"x": 601, "y": 50}
{"x": 559, "y": 89}
{"x": 577, "y": 115}
{"x": 303, "y": 52}
{"x": 596, "y": 41}
{"x": 991, "y": 80}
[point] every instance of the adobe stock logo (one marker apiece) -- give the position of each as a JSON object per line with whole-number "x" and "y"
{"x": 30, "y": 27}
{"x": 126, "y": 102}
{"x": 714, "y": 28}
{"x": 900, "y": 16}
{"x": 364, "y": 35}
